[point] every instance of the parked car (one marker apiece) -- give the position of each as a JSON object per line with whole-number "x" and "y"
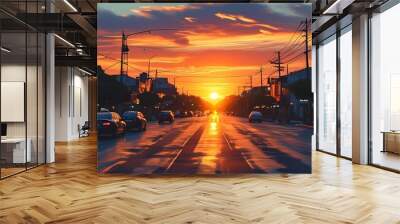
{"x": 190, "y": 113}
{"x": 199, "y": 113}
{"x": 180, "y": 114}
{"x": 255, "y": 116}
{"x": 110, "y": 124}
{"x": 166, "y": 116}
{"x": 135, "y": 120}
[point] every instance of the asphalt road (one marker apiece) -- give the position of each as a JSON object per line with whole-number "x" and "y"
{"x": 200, "y": 146}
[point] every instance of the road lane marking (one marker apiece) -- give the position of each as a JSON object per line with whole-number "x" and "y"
{"x": 138, "y": 161}
{"x": 241, "y": 153}
{"x": 194, "y": 139}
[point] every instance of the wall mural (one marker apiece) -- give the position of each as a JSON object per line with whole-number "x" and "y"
{"x": 204, "y": 88}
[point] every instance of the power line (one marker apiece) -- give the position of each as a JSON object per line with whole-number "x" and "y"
{"x": 291, "y": 38}
{"x": 116, "y": 63}
{"x": 294, "y": 47}
{"x": 290, "y": 60}
{"x": 113, "y": 59}
{"x": 296, "y": 50}
{"x": 296, "y": 42}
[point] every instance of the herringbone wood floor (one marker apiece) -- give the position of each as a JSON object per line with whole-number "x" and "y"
{"x": 70, "y": 191}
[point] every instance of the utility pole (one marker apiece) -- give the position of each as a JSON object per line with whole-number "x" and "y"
{"x": 251, "y": 81}
{"x": 279, "y": 72}
{"x": 278, "y": 64}
{"x": 124, "y": 56}
{"x": 148, "y": 68}
{"x": 287, "y": 69}
{"x": 306, "y": 43}
{"x": 125, "y": 49}
{"x": 174, "y": 82}
{"x": 261, "y": 78}
{"x": 307, "y": 62}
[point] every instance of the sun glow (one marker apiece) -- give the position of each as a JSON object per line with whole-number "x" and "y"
{"x": 214, "y": 96}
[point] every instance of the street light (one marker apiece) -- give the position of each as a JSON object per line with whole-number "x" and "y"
{"x": 125, "y": 49}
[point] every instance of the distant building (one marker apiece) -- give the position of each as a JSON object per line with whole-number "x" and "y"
{"x": 162, "y": 86}
{"x": 144, "y": 82}
{"x": 274, "y": 88}
{"x": 296, "y": 76}
{"x": 128, "y": 81}
{"x": 259, "y": 90}
{"x": 300, "y": 103}
{"x": 140, "y": 84}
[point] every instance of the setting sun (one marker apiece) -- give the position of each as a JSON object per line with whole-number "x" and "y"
{"x": 214, "y": 96}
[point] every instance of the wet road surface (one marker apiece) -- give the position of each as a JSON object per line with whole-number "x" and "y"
{"x": 199, "y": 145}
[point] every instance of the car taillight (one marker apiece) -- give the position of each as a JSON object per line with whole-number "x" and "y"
{"x": 106, "y": 123}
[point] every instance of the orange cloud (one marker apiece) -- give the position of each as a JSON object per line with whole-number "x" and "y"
{"x": 225, "y": 16}
{"x": 202, "y": 41}
{"x": 263, "y": 25}
{"x": 233, "y": 17}
{"x": 264, "y": 31}
{"x": 145, "y": 11}
{"x": 190, "y": 19}
{"x": 163, "y": 60}
{"x": 154, "y": 41}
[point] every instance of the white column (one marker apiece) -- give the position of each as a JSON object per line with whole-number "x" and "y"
{"x": 360, "y": 90}
{"x": 50, "y": 92}
{"x": 50, "y": 98}
{"x": 62, "y": 103}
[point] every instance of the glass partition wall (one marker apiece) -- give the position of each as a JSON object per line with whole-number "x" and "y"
{"x": 345, "y": 61}
{"x": 327, "y": 95}
{"x": 334, "y": 93}
{"x": 385, "y": 89}
{"x": 22, "y": 77}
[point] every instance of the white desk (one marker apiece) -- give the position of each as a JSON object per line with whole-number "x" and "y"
{"x": 16, "y": 147}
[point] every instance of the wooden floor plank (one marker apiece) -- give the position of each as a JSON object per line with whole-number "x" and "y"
{"x": 71, "y": 191}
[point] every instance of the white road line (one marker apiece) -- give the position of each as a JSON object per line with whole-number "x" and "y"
{"x": 241, "y": 153}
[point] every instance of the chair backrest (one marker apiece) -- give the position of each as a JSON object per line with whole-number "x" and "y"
{"x": 86, "y": 125}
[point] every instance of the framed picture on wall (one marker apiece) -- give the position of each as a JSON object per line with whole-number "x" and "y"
{"x": 204, "y": 88}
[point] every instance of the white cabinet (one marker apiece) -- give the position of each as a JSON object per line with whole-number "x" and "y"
{"x": 14, "y": 148}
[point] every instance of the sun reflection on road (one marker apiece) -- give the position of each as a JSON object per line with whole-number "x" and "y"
{"x": 213, "y": 127}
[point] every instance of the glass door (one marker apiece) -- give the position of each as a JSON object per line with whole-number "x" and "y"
{"x": 14, "y": 144}
{"x": 385, "y": 89}
{"x": 345, "y": 92}
{"x": 22, "y": 76}
{"x": 327, "y": 95}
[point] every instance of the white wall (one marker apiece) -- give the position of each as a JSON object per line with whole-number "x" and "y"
{"x": 71, "y": 102}
{"x": 12, "y": 73}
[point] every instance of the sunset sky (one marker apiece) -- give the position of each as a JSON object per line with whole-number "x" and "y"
{"x": 214, "y": 48}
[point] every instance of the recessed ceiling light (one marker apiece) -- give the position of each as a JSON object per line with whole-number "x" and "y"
{"x": 84, "y": 71}
{"x": 70, "y": 5}
{"x": 64, "y": 40}
{"x": 5, "y": 50}
{"x": 331, "y": 7}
